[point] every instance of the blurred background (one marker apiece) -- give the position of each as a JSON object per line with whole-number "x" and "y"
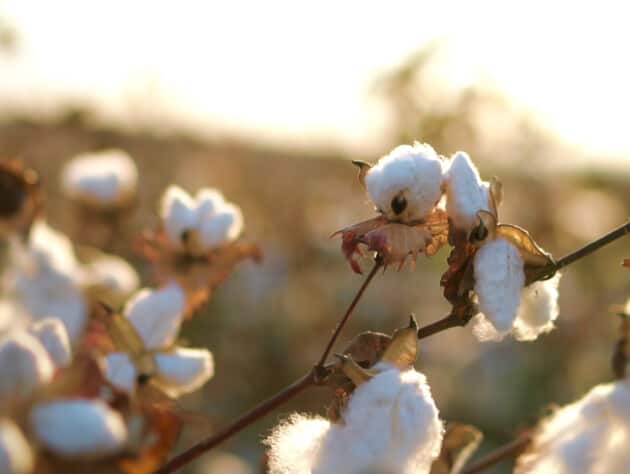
{"x": 269, "y": 102}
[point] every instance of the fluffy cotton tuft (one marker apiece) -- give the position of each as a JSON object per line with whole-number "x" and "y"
{"x": 415, "y": 172}
{"x": 16, "y": 456}
{"x": 466, "y": 193}
{"x": 390, "y": 425}
{"x": 183, "y": 370}
{"x": 24, "y": 365}
{"x": 78, "y": 428}
{"x": 52, "y": 333}
{"x": 538, "y": 309}
{"x": 197, "y": 225}
{"x": 111, "y": 278}
{"x": 120, "y": 371}
{"x": 590, "y": 436}
{"x": 104, "y": 179}
{"x": 157, "y": 315}
{"x": 499, "y": 279}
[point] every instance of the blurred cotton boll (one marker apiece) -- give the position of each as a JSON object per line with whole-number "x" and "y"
{"x": 406, "y": 184}
{"x": 183, "y": 370}
{"x": 589, "y": 436}
{"x": 16, "y": 456}
{"x": 24, "y": 366}
{"x": 53, "y": 335}
{"x": 157, "y": 315}
{"x": 44, "y": 278}
{"x": 391, "y": 424}
{"x": 78, "y": 428}
{"x": 104, "y": 180}
{"x": 197, "y": 225}
{"x": 110, "y": 279}
{"x": 222, "y": 463}
{"x": 466, "y": 193}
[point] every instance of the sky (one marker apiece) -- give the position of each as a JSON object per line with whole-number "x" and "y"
{"x": 301, "y": 72}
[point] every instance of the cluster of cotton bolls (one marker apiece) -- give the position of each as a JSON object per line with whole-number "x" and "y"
{"x": 411, "y": 182}
{"x": 52, "y": 301}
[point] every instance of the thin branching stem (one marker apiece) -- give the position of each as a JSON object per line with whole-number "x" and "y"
{"x": 452, "y": 320}
{"x": 346, "y": 316}
{"x": 511, "y": 449}
{"x": 241, "y": 423}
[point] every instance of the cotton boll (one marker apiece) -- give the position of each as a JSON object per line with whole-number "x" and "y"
{"x": 106, "y": 178}
{"x": 179, "y": 214}
{"x": 157, "y": 315}
{"x": 538, "y": 309}
{"x": 466, "y": 193}
{"x": 499, "y": 279}
{"x": 412, "y": 175}
{"x": 51, "y": 249}
{"x": 120, "y": 371}
{"x": 391, "y": 424}
{"x": 223, "y": 227}
{"x": 53, "y": 335}
{"x": 16, "y": 456}
{"x": 294, "y": 444}
{"x": 24, "y": 366}
{"x": 183, "y": 370}
{"x": 78, "y": 428}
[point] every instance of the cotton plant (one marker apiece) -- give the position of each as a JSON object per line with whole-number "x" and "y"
{"x": 103, "y": 180}
{"x": 145, "y": 336}
{"x": 389, "y": 423}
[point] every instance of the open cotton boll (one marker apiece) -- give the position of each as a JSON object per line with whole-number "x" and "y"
{"x": 391, "y": 424}
{"x": 157, "y": 315}
{"x": 406, "y": 184}
{"x": 499, "y": 279}
{"x": 466, "y": 193}
{"x": 538, "y": 309}
{"x": 223, "y": 227}
{"x": 78, "y": 427}
{"x": 178, "y": 211}
{"x": 16, "y": 456}
{"x": 208, "y": 202}
{"x": 589, "y": 436}
{"x": 24, "y": 365}
{"x": 105, "y": 178}
{"x": 120, "y": 371}
{"x": 183, "y": 370}
{"x": 52, "y": 333}
{"x": 49, "y": 248}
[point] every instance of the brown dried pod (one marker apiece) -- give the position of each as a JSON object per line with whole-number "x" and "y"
{"x": 459, "y": 443}
{"x": 20, "y": 197}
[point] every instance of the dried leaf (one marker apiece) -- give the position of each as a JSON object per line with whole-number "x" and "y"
{"x": 460, "y": 442}
{"x": 403, "y": 349}
{"x": 626, "y": 262}
{"x": 395, "y": 241}
{"x": 363, "y": 169}
{"x": 533, "y": 255}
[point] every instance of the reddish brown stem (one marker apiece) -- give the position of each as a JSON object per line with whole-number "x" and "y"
{"x": 511, "y": 449}
{"x": 450, "y": 321}
{"x": 346, "y": 316}
{"x": 248, "y": 418}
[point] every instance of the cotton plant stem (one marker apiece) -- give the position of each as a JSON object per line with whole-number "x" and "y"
{"x": 314, "y": 377}
{"x": 452, "y": 320}
{"x": 242, "y": 422}
{"x": 511, "y": 449}
{"x": 346, "y": 316}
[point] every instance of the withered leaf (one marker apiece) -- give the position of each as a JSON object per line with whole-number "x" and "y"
{"x": 403, "y": 349}
{"x": 460, "y": 442}
{"x": 395, "y": 241}
{"x": 533, "y": 255}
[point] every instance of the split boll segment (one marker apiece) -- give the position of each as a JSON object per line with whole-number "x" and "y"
{"x": 197, "y": 225}
{"x": 104, "y": 180}
{"x": 406, "y": 184}
{"x": 390, "y": 424}
{"x": 78, "y": 428}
